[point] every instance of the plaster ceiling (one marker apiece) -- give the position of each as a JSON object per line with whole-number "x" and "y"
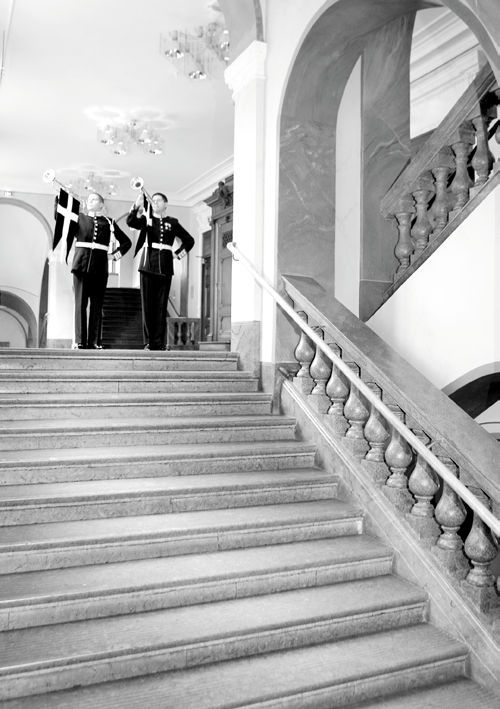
{"x": 69, "y": 64}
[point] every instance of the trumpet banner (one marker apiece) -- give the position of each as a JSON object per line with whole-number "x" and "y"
{"x": 67, "y": 210}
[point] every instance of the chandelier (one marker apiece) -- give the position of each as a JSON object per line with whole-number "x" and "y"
{"x": 200, "y": 54}
{"x": 83, "y": 186}
{"x": 121, "y": 139}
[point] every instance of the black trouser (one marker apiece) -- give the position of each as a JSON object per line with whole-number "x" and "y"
{"x": 154, "y": 296}
{"x": 89, "y": 287}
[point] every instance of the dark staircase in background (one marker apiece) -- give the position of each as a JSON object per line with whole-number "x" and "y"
{"x": 122, "y": 319}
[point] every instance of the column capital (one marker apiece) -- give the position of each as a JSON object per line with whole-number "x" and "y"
{"x": 249, "y": 66}
{"x": 203, "y": 213}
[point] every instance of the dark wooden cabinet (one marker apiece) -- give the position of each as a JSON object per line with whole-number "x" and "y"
{"x": 217, "y": 268}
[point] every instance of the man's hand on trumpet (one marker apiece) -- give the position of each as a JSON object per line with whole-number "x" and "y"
{"x": 139, "y": 202}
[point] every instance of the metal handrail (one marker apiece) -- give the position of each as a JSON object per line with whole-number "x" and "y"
{"x": 466, "y": 495}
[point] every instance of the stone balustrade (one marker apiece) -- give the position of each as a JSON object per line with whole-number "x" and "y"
{"x": 448, "y": 171}
{"x": 455, "y": 536}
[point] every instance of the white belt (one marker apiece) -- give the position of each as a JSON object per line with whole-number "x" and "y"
{"x": 162, "y": 247}
{"x": 91, "y": 245}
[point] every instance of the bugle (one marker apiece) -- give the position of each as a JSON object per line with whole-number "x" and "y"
{"x": 49, "y": 176}
{"x": 137, "y": 183}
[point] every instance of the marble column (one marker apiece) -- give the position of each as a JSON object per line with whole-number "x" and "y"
{"x": 246, "y": 78}
{"x": 60, "y": 320}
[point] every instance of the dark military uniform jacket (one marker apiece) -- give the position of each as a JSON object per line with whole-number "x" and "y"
{"x": 158, "y": 256}
{"x": 96, "y": 231}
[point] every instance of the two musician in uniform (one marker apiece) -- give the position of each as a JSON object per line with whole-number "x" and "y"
{"x": 98, "y": 239}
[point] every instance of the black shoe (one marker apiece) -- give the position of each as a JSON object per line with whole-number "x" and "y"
{"x": 146, "y": 347}
{"x": 94, "y": 347}
{"x": 79, "y": 346}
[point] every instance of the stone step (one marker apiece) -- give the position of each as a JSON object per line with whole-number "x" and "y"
{"x": 101, "y": 541}
{"x": 43, "y": 359}
{"x": 97, "y": 499}
{"x": 461, "y": 693}
{"x": 59, "y": 465}
{"x": 101, "y": 650}
{"x": 57, "y": 406}
{"x": 53, "y": 382}
{"x": 50, "y": 597}
{"x": 78, "y": 433}
{"x": 331, "y": 674}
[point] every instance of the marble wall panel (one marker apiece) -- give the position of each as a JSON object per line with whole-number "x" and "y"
{"x": 306, "y": 243}
{"x": 386, "y": 145}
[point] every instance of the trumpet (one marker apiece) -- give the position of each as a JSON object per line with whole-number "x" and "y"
{"x": 137, "y": 183}
{"x": 49, "y": 176}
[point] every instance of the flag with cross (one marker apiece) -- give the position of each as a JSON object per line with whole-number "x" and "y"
{"x": 148, "y": 211}
{"x": 67, "y": 210}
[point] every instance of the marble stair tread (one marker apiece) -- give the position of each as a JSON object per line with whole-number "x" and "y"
{"x": 28, "y": 427}
{"x": 143, "y": 487}
{"x": 463, "y": 693}
{"x": 13, "y": 399}
{"x": 126, "y": 375}
{"x": 144, "y": 527}
{"x": 110, "y": 454}
{"x": 211, "y": 623}
{"x": 64, "y": 354}
{"x": 178, "y": 572}
{"x": 312, "y": 676}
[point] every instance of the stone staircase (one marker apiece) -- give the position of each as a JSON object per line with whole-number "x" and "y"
{"x": 168, "y": 542}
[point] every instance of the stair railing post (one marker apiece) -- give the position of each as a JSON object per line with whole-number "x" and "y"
{"x": 450, "y": 514}
{"x": 304, "y": 354}
{"x": 337, "y": 390}
{"x": 404, "y": 247}
{"x": 480, "y": 547}
{"x": 422, "y": 227}
{"x": 398, "y": 456}
{"x": 320, "y": 371}
{"x": 463, "y": 141}
{"x": 357, "y": 413}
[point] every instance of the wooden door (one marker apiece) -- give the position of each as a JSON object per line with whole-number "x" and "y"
{"x": 223, "y": 280}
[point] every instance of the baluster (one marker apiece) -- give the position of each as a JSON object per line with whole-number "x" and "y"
{"x": 422, "y": 226}
{"x": 337, "y": 389}
{"x": 450, "y": 515}
{"x": 356, "y": 412}
{"x": 377, "y": 434}
{"x": 320, "y": 371}
{"x": 442, "y": 165}
{"x": 423, "y": 484}
{"x": 480, "y": 547}
{"x": 304, "y": 354}
{"x": 404, "y": 247}
{"x": 461, "y": 183}
{"x": 483, "y": 159}
{"x": 398, "y": 457}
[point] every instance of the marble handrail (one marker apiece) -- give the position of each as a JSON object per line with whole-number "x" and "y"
{"x": 456, "y": 485}
{"x": 440, "y": 138}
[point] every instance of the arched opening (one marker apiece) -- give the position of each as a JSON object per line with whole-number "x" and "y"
{"x": 375, "y": 40}
{"x": 18, "y": 322}
{"x": 24, "y": 267}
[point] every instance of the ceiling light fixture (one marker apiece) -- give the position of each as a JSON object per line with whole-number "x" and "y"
{"x": 199, "y": 54}
{"x": 84, "y": 185}
{"x": 121, "y": 139}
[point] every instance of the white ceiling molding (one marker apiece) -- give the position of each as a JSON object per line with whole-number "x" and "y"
{"x": 203, "y": 186}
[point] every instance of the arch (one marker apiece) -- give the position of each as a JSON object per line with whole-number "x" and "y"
{"x": 32, "y": 210}
{"x": 478, "y": 394}
{"x": 245, "y": 23}
{"x": 338, "y": 35}
{"x": 18, "y": 305}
